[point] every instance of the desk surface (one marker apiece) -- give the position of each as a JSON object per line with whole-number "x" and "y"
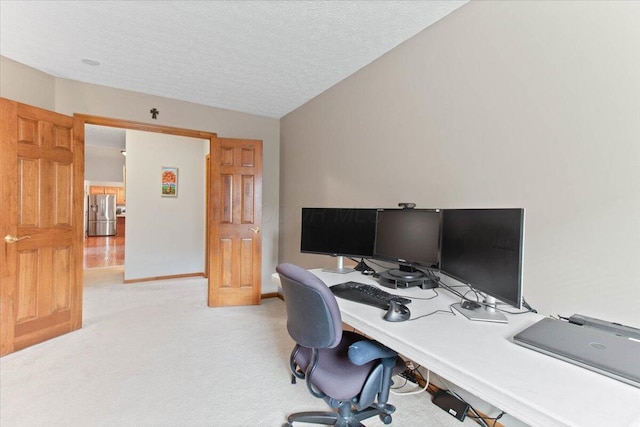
{"x": 482, "y": 359}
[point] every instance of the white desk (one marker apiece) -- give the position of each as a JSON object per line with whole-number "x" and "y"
{"x": 482, "y": 359}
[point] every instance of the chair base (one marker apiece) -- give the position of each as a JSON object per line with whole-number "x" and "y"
{"x": 324, "y": 418}
{"x": 345, "y": 419}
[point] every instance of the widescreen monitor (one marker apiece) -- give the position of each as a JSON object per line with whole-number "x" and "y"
{"x": 409, "y": 237}
{"x": 338, "y": 231}
{"x": 483, "y": 248}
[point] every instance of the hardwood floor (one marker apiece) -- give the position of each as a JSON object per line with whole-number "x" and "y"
{"x": 103, "y": 251}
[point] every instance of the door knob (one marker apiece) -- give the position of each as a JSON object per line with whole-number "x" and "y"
{"x": 255, "y": 230}
{"x": 12, "y": 239}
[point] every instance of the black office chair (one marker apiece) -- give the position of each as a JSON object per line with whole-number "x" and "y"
{"x": 351, "y": 373}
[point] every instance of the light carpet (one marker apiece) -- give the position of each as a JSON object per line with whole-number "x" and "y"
{"x": 153, "y": 354}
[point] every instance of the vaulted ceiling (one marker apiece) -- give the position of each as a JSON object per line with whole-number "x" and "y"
{"x": 258, "y": 57}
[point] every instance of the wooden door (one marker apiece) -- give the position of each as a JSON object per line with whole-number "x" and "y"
{"x": 42, "y": 164}
{"x": 235, "y": 218}
{"x": 207, "y": 185}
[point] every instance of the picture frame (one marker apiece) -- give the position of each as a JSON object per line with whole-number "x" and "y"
{"x": 169, "y": 181}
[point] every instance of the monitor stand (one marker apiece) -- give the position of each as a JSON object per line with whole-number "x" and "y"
{"x": 406, "y": 273}
{"x": 401, "y": 278}
{"x": 340, "y": 269}
{"x": 486, "y": 313}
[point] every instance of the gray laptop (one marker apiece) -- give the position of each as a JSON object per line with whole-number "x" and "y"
{"x": 603, "y": 351}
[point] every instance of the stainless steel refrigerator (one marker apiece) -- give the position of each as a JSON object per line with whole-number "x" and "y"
{"x": 101, "y": 219}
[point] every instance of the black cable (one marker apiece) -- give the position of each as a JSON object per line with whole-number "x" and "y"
{"x": 502, "y": 310}
{"x": 399, "y": 387}
{"x": 479, "y": 418}
{"x": 420, "y": 298}
{"x": 449, "y": 288}
{"x": 458, "y": 286}
{"x": 371, "y": 261}
{"x": 524, "y": 303}
{"x": 484, "y": 420}
{"x": 529, "y": 309}
{"x": 477, "y": 415}
{"x": 495, "y": 420}
{"x": 430, "y": 273}
{"x": 434, "y": 312}
{"x": 527, "y": 306}
{"x": 476, "y": 293}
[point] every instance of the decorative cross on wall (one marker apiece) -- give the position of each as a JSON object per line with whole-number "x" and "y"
{"x": 154, "y": 113}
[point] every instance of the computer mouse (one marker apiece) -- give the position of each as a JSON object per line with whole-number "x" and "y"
{"x": 397, "y": 312}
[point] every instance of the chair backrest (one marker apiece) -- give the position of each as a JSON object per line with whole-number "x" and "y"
{"x": 313, "y": 316}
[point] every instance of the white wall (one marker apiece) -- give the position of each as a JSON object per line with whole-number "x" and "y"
{"x": 27, "y": 85}
{"x": 165, "y": 235}
{"x": 24, "y": 84}
{"x": 103, "y": 164}
{"x": 73, "y": 96}
{"x": 500, "y": 104}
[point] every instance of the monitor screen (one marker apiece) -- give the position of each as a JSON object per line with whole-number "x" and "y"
{"x": 409, "y": 237}
{"x": 338, "y": 231}
{"x": 484, "y": 249}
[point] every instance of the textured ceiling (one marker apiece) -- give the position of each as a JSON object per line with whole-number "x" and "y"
{"x": 259, "y": 57}
{"x": 106, "y": 137}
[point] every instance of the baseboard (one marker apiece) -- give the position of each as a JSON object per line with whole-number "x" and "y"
{"x": 173, "y": 276}
{"x": 270, "y": 295}
{"x": 182, "y": 276}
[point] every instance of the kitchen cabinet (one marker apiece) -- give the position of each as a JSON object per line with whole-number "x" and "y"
{"x": 120, "y": 196}
{"x": 120, "y": 225}
{"x": 96, "y": 189}
{"x": 116, "y": 191}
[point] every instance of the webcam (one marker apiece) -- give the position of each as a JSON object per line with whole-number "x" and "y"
{"x": 407, "y": 205}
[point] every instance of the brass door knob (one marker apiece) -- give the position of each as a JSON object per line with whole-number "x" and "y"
{"x": 12, "y": 239}
{"x": 255, "y": 230}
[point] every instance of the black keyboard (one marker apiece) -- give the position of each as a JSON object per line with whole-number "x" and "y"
{"x": 366, "y": 294}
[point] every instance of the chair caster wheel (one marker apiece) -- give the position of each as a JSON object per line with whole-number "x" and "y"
{"x": 385, "y": 418}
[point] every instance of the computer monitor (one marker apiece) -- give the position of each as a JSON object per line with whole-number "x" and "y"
{"x": 409, "y": 237}
{"x": 338, "y": 232}
{"x": 483, "y": 248}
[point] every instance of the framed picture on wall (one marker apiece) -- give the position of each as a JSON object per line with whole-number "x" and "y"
{"x": 169, "y": 182}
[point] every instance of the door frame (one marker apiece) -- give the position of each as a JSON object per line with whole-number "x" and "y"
{"x": 80, "y": 120}
{"x": 207, "y": 184}
{"x": 85, "y": 119}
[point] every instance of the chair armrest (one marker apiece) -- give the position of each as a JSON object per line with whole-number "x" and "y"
{"x": 362, "y": 352}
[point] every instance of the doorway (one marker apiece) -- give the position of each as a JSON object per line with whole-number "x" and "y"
{"x": 105, "y": 166}
{"x": 234, "y": 219}
{"x": 164, "y": 234}
{"x": 234, "y": 214}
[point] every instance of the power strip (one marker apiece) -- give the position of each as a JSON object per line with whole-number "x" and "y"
{"x": 409, "y": 376}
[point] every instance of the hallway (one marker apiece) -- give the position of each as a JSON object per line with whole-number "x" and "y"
{"x": 105, "y": 251}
